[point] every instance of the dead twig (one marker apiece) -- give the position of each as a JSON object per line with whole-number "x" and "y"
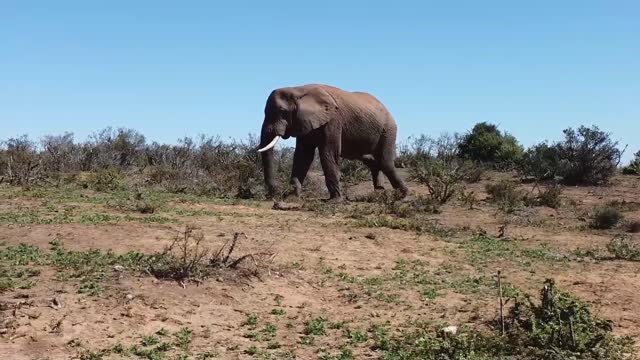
{"x": 502, "y": 327}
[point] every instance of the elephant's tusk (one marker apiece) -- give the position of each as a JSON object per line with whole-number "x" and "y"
{"x": 270, "y": 145}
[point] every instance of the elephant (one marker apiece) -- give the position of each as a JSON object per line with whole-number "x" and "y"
{"x": 345, "y": 124}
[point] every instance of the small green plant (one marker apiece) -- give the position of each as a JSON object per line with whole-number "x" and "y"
{"x": 251, "y": 321}
{"x": 91, "y": 288}
{"x": 252, "y": 350}
{"x": 120, "y": 349}
{"x": 357, "y": 336}
{"x": 183, "y": 338}
{"x": 150, "y": 340}
{"x": 270, "y": 330}
{"x": 606, "y": 218}
{"x": 278, "y": 312}
{"x": 345, "y": 354}
{"x": 430, "y": 293}
{"x": 316, "y": 327}
{"x": 623, "y": 247}
{"x": 22, "y": 254}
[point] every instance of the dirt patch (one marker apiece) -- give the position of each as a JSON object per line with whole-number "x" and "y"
{"x": 329, "y": 273}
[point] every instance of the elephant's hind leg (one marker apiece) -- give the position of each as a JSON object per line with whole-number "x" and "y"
{"x": 374, "y": 167}
{"x": 387, "y": 165}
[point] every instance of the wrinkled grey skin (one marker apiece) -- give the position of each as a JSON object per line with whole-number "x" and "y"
{"x": 340, "y": 124}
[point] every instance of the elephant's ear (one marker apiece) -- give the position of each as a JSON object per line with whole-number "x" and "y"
{"x": 315, "y": 109}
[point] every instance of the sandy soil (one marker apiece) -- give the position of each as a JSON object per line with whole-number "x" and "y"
{"x": 313, "y": 253}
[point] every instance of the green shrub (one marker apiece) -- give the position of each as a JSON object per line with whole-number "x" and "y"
{"x": 623, "y": 247}
{"x": 104, "y": 180}
{"x": 541, "y": 162}
{"x": 486, "y": 144}
{"x": 606, "y": 218}
{"x": 560, "y": 327}
{"x": 586, "y": 156}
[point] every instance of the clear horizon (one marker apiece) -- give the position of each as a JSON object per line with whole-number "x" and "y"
{"x": 170, "y": 71}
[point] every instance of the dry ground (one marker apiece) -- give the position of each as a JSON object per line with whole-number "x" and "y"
{"x": 330, "y": 279}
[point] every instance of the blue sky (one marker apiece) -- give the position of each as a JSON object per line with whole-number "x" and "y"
{"x": 171, "y": 69}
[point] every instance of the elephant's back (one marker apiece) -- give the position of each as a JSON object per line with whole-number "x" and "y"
{"x": 367, "y": 124}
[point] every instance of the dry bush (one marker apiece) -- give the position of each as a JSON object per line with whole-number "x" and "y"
{"x": 21, "y": 162}
{"x": 60, "y": 153}
{"x": 187, "y": 258}
{"x": 354, "y": 171}
{"x": 422, "y": 148}
{"x": 443, "y": 180}
{"x": 506, "y": 195}
{"x": 550, "y": 197}
{"x": 633, "y": 226}
{"x": 468, "y": 199}
{"x": 183, "y": 259}
{"x": 634, "y": 167}
{"x": 392, "y": 202}
{"x": 606, "y": 217}
{"x": 139, "y": 201}
{"x": 115, "y": 148}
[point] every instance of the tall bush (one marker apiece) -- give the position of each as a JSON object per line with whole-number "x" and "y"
{"x": 21, "y": 161}
{"x": 586, "y": 156}
{"x": 487, "y": 144}
{"x": 634, "y": 166}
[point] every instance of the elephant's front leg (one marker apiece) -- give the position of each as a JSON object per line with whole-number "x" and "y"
{"x": 302, "y": 160}
{"x": 330, "y": 161}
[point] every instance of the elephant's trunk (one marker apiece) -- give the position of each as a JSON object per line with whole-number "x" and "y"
{"x": 268, "y": 163}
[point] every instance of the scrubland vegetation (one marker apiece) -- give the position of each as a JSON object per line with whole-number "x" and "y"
{"x": 118, "y": 247}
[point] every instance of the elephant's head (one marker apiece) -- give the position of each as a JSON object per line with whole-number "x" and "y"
{"x": 292, "y": 112}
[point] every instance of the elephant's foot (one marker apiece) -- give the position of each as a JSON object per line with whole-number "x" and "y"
{"x": 335, "y": 200}
{"x": 406, "y": 195}
{"x": 292, "y": 195}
